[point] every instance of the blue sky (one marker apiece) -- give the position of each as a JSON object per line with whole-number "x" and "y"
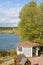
{"x": 9, "y": 11}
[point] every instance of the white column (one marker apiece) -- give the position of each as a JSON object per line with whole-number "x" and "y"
{"x": 31, "y": 52}
{"x": 17, "y": 50}
{"x": 36, "y": 51}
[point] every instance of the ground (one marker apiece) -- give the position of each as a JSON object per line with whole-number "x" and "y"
{"x": 11, "y": 61}
{"x": 36, "y": 60}
{"x": 33, "y": 60}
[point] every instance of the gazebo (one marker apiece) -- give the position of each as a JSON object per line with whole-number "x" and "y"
{"x": 29, "y": 49}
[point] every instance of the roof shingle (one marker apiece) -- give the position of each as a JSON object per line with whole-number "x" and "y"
{"x": 27, "y": 43}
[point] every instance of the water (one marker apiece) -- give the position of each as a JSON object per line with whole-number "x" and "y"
{"x": 8, "y": 41}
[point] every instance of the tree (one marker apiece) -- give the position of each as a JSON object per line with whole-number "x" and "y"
{"x": 30, "y": 20}
{"x": 41, "y": 7}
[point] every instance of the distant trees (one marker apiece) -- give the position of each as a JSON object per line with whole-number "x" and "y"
{"x": 8, "y": 30}
{"x": 30, "y": 26}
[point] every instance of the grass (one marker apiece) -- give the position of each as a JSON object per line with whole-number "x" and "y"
{"x": 7, "y": 55}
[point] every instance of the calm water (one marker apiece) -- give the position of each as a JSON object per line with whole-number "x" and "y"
{"x": 8, "y": 41}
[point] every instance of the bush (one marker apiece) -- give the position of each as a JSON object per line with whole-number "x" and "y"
{"x": 7, "y": 53}
{"x": 12, "y": 52}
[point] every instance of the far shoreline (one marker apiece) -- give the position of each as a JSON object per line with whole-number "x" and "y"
{"x": 7, "y": 33}
{"x": 8, "y": 30}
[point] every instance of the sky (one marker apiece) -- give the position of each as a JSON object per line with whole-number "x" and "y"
{"x": 9, "y": 11}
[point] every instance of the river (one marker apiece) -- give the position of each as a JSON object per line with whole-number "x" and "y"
{"x": 8, "y": 41}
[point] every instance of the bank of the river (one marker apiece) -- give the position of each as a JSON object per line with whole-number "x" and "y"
{"x": 7, "y": 55}
{"x": 7, "y": 46}
{"x": 8, "y": 30}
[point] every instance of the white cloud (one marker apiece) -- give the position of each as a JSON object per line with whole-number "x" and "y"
{"x": 10, "y": 12}
{"x": 10, "y": 15}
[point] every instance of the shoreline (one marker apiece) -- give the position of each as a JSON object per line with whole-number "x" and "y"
{"x": 7, "y": 32}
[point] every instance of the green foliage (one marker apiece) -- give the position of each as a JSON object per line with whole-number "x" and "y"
{"x": 4, "y": 53}
{"x": 31, "y": 23}
{"x": 41, "y": 7}
{"x": 7, "y": 53}
{"x": 12, "y": 52}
